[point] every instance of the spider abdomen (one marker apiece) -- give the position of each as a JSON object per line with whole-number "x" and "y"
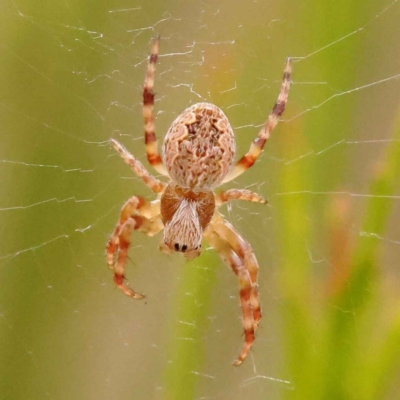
{"x": 199, "y": 148}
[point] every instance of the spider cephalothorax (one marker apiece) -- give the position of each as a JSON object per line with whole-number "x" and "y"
{"x": 198, "y": 155}
{"x": 185, "y": 215}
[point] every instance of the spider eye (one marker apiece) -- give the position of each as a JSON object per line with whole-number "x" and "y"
{"x": 184, "y": 247}
{"x": 176, "y": 245}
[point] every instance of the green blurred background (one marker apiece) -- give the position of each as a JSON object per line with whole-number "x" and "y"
{"x": 328, "y": 243}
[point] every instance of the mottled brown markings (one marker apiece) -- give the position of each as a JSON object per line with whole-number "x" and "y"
{"x": 154, "y": 159}
{"x": 207, "y": 148}
{"x": 153, "y": 58}
{"x": 149, "y": 138}
{"x": 278, "y": 109}
{"x": 148, "y": 97}
{"x": 245, "y": 293}
{"x": 118, "y": 279}
{"x": 246, "y": 161}
{"x": 192, "y": 129}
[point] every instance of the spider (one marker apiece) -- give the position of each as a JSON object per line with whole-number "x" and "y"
{"x": 197, "y": 156}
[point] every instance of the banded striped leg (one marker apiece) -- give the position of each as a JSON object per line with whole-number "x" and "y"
{"x": 238, "y": 194}
{"x": 136, "y": 214}
{"x": 246, "y": 253}
{"x": 258, "y": 144}
{"x": 153, "y": 156}
{"x": 138, "y": 168}
{"x": 245, "y": 286}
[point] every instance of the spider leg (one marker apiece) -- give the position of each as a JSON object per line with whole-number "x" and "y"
{"x": 258, "y": 144}
{"x": 247, "y": 276}
{"x": 153, "y": 156}
{"x": 238, "y": 194}
{"x": 136, "y": 214}
{"x": 246, "y": 253}
{"x": 138, "y": 168}
{"x": 231, "y": 258}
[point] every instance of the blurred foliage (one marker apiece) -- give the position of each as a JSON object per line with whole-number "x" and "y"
{"x": 71, "y": 78}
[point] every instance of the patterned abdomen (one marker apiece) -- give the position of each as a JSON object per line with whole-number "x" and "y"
{"x": 199, "y": 148}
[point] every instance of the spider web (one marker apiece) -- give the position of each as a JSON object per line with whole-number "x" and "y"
{"x": 72, "y": 78}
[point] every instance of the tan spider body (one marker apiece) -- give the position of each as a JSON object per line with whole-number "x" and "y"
{"x": 199, "y": 148}
{"x": 198, "y": 155}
